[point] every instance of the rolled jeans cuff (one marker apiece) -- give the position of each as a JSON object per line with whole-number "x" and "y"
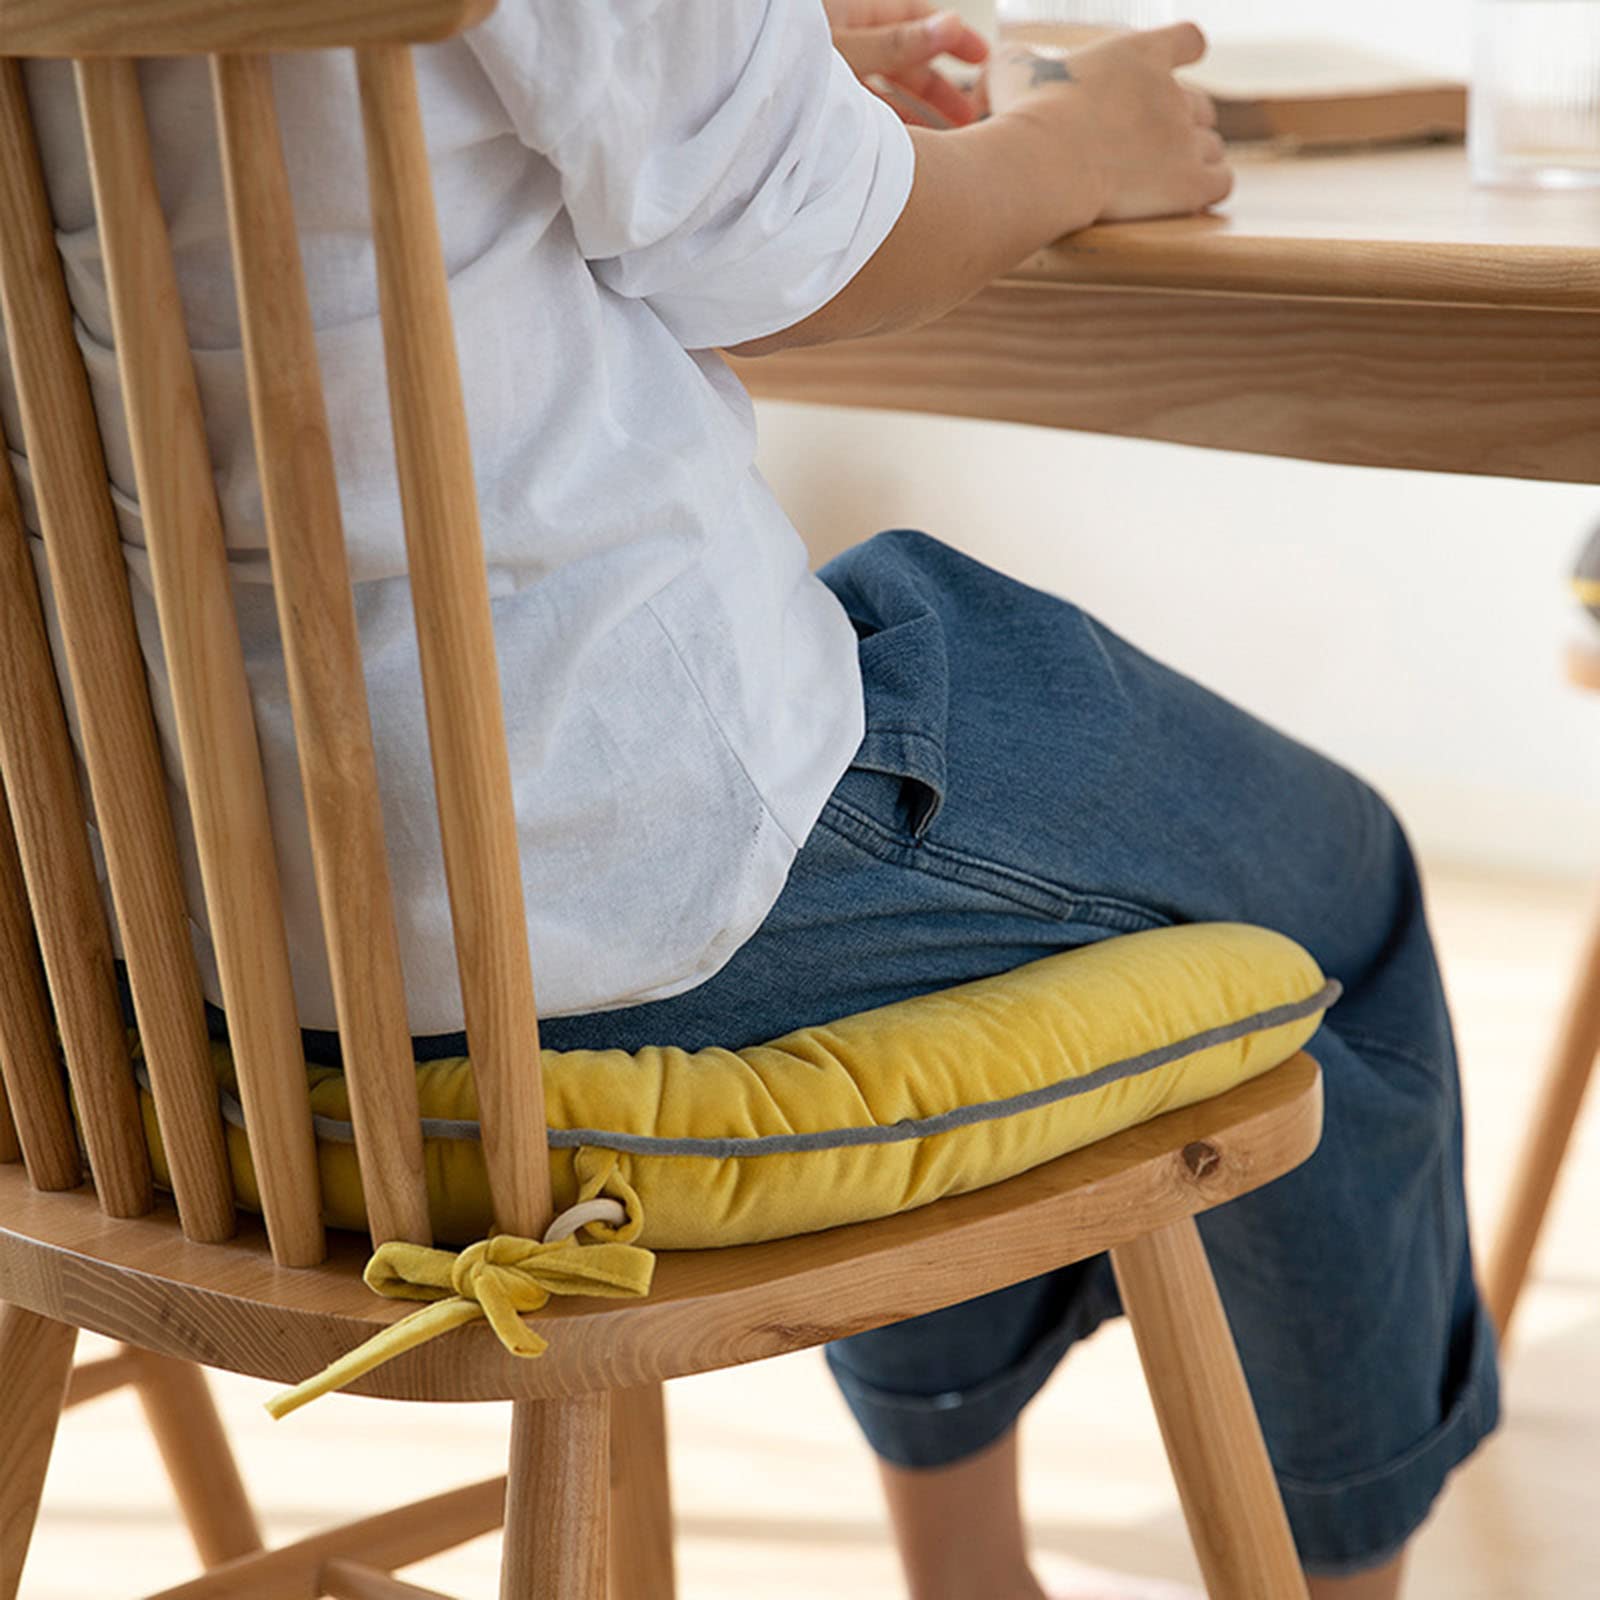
{"x": 1341, "y": 1526}
{"x": 1352, "y": 1524}
{"x": 921, "y": 1432}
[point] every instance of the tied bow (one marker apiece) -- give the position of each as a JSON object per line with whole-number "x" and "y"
{"x": 498, "y": 1278}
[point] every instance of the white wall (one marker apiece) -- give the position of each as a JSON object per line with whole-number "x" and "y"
{"x": 1411, "y": 625}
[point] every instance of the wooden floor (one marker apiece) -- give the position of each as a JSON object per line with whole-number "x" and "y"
{"x": 776, "y": 1494}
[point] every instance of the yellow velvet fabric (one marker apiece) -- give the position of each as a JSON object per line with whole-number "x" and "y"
{"x": 1063, "y": 1018}
{"x": 502, "y": 1279}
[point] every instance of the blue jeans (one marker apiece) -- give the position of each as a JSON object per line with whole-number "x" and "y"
{"x": 1030, "y": 782}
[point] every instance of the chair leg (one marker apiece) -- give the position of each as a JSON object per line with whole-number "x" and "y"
{"x": 556, "y": 1500}
{"x": 35, "y": 1366}
{"x": 1554, "y": 1119}
{"x": 189, "y": 1433}
{"x": 642, "y": 1565}
{"x": 1225, "y": 1481}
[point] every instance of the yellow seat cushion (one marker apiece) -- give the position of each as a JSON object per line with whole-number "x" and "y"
{"x": 875, "y": 1114}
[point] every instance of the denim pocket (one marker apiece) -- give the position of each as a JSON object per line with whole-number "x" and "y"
{"x": 916, "y": 764}
{"x": 905, "y": 673}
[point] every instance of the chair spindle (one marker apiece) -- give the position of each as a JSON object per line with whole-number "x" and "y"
{"x": 10, "y": 1149}
{"x": 460, "y": 673}
{"x": 52, "y": 844}
{"x": 322, "y": 650}
{"x": 37, "y": 1116}
{"x": 120, "y": 746}
{"x": 194, "y": 603}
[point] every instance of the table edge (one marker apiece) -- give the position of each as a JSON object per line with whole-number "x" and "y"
{"x": 1177, "y": 257}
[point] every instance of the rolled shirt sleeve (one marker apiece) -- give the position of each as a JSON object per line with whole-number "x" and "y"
{"x": 718, "y": 160}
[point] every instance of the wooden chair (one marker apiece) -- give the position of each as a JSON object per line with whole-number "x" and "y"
{"x": 186, "y": 1279}
{"x": 1555, "y": 1115}
{"x": 189, "y": 1434}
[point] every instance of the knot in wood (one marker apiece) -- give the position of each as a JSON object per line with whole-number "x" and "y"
{"x": 1201, "y": 1159}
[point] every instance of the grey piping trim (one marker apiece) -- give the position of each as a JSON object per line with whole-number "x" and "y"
{"x": 781, "y": 1144}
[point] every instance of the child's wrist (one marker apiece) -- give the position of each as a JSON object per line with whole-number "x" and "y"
{"x": 1052, "y": 138}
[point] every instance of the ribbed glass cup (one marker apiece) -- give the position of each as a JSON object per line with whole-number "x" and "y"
{"x": 1536, "y": 94}
{"x": 1070, "y": 22}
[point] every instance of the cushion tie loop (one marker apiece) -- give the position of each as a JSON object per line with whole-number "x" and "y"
{"x": 498, "y": 1278}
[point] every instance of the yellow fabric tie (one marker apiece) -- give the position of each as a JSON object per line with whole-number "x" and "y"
{"x": 497, "y": 1278}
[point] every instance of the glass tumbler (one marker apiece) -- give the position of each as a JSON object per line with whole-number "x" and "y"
{"x": 1070, "y": 22}
{"x": 1535, "y": 120}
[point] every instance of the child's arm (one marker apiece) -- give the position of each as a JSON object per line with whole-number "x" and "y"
{"x": 1110, "y": 135}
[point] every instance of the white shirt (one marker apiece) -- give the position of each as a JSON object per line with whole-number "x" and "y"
{"x": 623, "y": 186}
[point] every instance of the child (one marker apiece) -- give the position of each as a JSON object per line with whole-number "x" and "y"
{"x": 752, "y": 798}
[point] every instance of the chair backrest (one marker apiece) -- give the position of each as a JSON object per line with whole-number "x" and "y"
{"x": 48, "y": 889}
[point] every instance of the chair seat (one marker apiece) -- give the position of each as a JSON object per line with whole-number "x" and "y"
{"x": 860, "y": 1117}
{"x": 229, "y": 1306}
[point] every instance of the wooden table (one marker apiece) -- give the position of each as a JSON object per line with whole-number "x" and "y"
{"x": 1371, "y": 309}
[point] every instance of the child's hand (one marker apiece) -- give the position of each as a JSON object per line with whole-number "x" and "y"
{"x": 1106, "y": 133}
{"x": 891, "y": 46}
{"x": 1117, "y": 104}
